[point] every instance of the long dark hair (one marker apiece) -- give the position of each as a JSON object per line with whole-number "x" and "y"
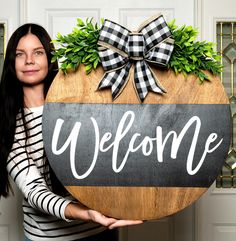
{"x": 11, "y": 94}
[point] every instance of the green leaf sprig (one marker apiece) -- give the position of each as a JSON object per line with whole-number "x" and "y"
{"x": 191, "y": 56}
{"x": 78, "y": 47}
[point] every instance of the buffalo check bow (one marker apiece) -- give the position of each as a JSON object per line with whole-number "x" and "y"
{"x": 120, "y": 48}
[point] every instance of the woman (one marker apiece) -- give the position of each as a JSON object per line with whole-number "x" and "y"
{"x": 26, "y": 78}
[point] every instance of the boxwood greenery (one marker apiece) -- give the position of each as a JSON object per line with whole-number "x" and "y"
{"x": 189, "y": 56}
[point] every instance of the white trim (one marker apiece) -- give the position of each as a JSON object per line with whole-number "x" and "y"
{"x": 198, "y": 10}
{"x": 221, "y": 19}
{"x": 222, "y": 191}
{"x": 23, "y": 5}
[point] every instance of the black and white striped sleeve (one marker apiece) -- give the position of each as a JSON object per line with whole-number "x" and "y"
{"x": 28, "y": 178}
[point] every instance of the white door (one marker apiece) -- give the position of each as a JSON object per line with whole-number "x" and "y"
{"x": 216, "y": 210}
{"x": 60, "y": 16}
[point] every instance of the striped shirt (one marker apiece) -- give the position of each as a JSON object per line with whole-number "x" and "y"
{"x": 43, "y": 210}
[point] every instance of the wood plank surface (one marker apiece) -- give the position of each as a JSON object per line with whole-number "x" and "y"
{"x": 82, "y": 88}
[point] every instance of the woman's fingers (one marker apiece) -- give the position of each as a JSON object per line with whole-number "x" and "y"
{"x": 122, "y": 223}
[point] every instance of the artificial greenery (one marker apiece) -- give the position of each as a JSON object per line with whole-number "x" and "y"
{"x": 78, "y": 47}
{"x": 189, "y": 56}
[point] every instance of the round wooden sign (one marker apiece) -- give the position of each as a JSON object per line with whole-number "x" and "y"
{"x": 130, "y": 160}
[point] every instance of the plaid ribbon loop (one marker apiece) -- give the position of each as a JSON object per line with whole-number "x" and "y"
{"x": 120, "y": 48}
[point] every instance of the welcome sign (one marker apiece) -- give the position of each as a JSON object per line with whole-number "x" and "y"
{"x": 129, "y": 140}
{"x": 132, "y": 160}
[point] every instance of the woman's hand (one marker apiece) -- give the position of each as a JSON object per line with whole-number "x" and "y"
{"x": 78, "y": 211}
{"x": 111, "y": 222}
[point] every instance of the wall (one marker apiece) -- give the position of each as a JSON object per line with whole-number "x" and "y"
{"x": 9, "y": 15}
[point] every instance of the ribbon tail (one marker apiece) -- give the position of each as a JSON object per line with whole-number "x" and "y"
{"x": 116, "y": 80}
{"x": 145, "y": 80}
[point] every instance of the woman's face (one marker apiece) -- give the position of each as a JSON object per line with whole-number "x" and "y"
{"x": 31, "y": 62}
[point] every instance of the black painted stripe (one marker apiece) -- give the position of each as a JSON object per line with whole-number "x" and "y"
{"x": 139, "y": 169}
